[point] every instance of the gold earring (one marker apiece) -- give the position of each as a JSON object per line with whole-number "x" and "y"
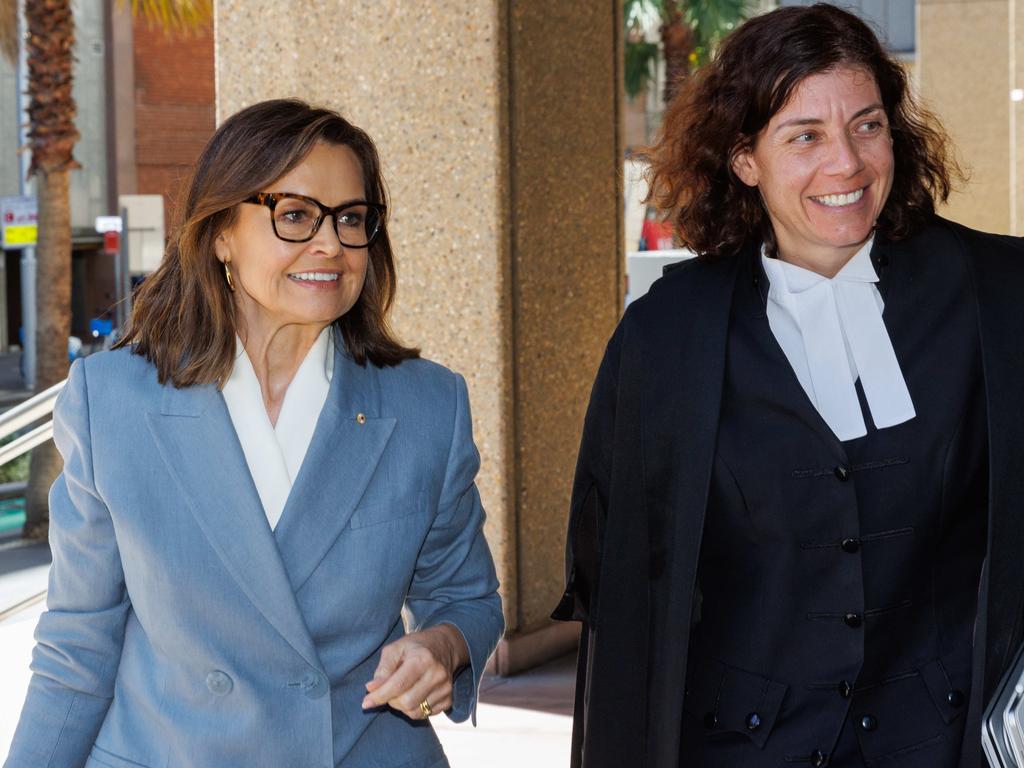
{"x": 227, "y": 274}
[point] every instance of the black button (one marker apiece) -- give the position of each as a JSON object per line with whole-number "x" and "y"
{"x": 850, "y": 545}
{"x": 852, "y": 620}
{"x": 845, "y": 689}
{"x": 753, "y": 721}
{"x": 955, "y": 698}
{"x": 882, "y": 259}
{"x": 710, "y": 720}
{"x": 869, "y": 723}
{"x": 819, "y": 759}
{"x": 842, "y": 473}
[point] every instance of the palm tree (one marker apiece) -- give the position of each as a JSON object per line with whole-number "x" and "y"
{"x": 689, "y": 30}
{"x": 52, "y": 135}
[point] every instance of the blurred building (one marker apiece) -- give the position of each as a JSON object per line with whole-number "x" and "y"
{"x": 145, "y": 109}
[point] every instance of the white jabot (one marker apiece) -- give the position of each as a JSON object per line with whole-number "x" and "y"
{"x": 832, "y": 332}
{"x": 275, "y": 453}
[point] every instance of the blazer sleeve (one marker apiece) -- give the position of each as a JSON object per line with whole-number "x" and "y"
{"x": 80, "y": 636}
{"x": 454, "y": 581}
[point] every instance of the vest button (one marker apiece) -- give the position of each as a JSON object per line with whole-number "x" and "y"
{"x": 819, "y": 759}
{"x": 842, "y": 473}
{"x": 753, "y": 721}
{"x": 845, "y": 689}
{"x": 852, "y": 620}
{"x": 869, "y": 723}
{"x": 955, "y": 698}
{"x": 710, "y": 721}
{"x": 850, "y": 545}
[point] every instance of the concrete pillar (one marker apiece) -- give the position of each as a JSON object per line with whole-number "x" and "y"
{"x": 970, "y": 60}
{"x": 497, "y": 121}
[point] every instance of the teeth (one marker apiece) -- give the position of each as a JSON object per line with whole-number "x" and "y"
{"x": 322, "y": 277}
{"x": 836, "y": 201}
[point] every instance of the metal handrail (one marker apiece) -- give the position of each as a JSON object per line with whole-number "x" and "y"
{"x": 33, "y": 409}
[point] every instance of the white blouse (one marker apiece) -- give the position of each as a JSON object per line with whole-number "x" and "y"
{"x": 275, "y": 453}
{"x": 832, "y": 333}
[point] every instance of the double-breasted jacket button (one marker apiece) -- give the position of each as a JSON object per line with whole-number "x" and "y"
{"x": 869, "y": 723}
{"x": 845, "y": 689}
{"x": 955, "y": 698}
{"x": 842, "y": 473}
{"x": 219, "y": 682}
{"x": 850, "y": 545}
{"x": 819, "y": 759}
{"x": 314, "y": 685}
{"x": 753, "y": 721}
{"x": 853, "y": 620}
{"x": 710, "y": 720}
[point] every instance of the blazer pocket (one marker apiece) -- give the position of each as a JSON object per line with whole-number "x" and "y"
{"x": 731, "y": 700}
{"x": 389, "y": 510}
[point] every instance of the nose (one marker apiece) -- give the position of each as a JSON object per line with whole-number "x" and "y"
{"x": 844, "y": 157}
{"x": 326, "y": 241}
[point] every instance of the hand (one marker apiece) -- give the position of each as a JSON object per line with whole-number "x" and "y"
{"x": 416, "y": 668}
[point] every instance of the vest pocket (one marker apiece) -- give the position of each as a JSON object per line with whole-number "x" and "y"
{"x": 729, "y": 700}
{"x": 910, "y": 711}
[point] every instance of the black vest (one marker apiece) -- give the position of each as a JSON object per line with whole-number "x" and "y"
{"x": 838, "y": 581}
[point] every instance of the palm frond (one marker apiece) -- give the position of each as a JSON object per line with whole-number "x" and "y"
{"x": 176, "y": 15}
{"x": 9, "y": 29}
{"x": 639, "y": 70}
{"x": 711, "y": 20}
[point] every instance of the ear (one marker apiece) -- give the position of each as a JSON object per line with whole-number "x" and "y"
{"x": 745, "y": 167}
{"x": 221, "y": 249}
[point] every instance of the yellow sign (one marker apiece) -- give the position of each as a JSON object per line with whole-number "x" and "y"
{"x": 20, "y": 234}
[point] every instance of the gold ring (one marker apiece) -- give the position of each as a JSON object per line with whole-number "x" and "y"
{"x": 425, "y": 708}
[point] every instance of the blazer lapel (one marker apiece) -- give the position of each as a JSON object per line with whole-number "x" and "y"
{"x": 197, "y": 441}
{"x": 347, "y": 445}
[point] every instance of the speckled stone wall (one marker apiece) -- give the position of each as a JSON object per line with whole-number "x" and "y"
{"x": 566, "y": 230}
{"x": 497, "y": 124}
{"x": 965, "y": 75}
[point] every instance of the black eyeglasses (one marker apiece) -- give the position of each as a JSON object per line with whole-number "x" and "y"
{"x": 297, "y": 218}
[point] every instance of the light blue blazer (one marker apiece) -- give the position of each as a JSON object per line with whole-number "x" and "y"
{"x": 181, "y": 632}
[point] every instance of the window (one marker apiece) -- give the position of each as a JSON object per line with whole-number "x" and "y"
{"x": 893, "y": 20}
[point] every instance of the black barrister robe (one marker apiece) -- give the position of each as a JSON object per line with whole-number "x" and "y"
{"x": 642, "y": 480}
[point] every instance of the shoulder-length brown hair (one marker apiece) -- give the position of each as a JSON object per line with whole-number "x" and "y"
{"x": 183, "y": 318}
{"x": 721, "y": 110}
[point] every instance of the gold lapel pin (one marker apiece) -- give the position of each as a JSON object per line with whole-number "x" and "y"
{"x": 360, "y": 418}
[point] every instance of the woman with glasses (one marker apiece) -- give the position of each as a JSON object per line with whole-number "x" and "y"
{"x": 257, "y": 485}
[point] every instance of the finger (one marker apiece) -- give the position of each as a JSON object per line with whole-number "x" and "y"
{"x": 390, "y": 660}
{"x": 433, "y": 687}
{"x": 401, "y": 680}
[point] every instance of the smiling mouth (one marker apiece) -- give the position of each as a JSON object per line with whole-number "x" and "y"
{"x": 839, "y": 201}
{"x": 314, "y": 277}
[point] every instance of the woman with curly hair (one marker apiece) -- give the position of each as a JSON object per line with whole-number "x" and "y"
{"x": 795, "y": 526}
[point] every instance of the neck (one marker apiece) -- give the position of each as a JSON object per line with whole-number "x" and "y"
{"x": 826, "y": 262}
{"x": 276, "y": 352}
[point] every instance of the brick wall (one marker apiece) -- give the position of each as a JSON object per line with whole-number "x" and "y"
{"x": 174, "y": 107}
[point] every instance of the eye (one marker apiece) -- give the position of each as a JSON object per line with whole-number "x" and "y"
{"x": 296, "y": 216}
{"x": 870, "y": 127}
{"x": 351, "y": 219}
{"x": 804, "y": 138}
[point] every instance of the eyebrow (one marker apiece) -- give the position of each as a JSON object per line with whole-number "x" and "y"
{"x": 797, "y": 121}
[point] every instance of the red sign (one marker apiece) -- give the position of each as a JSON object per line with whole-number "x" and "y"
{"x": 111, "y": 242}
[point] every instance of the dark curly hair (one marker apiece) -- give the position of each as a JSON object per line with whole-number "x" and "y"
{"x": 722, "y": 108}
